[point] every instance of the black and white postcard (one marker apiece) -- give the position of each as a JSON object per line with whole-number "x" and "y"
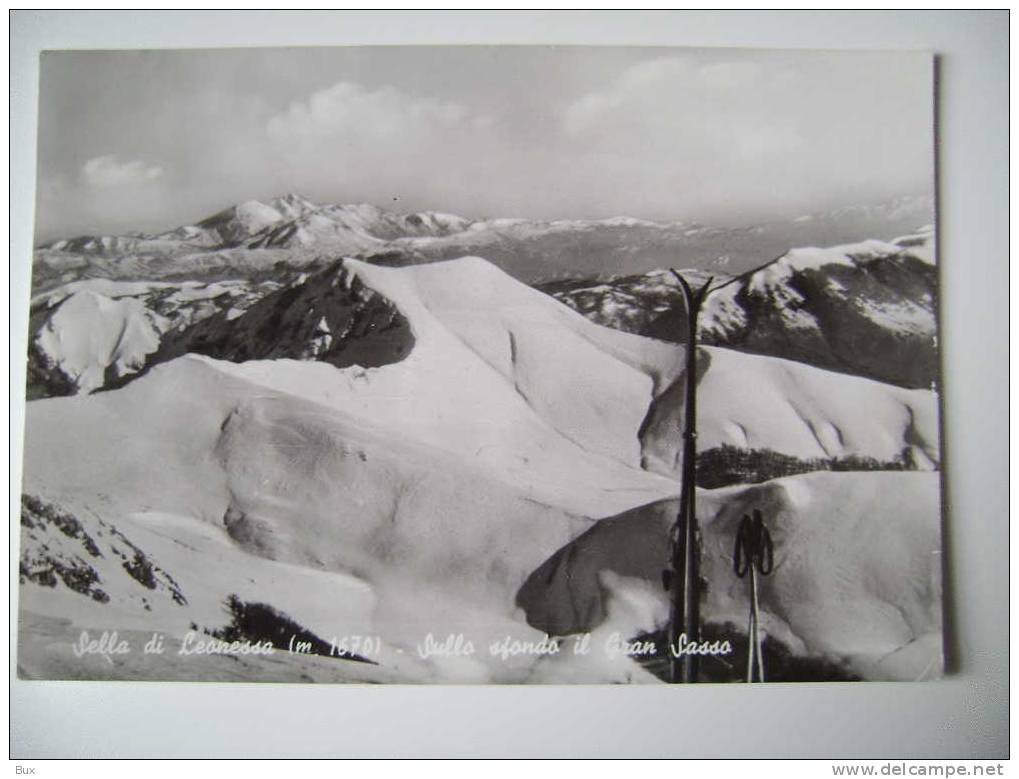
{"x": 483, "y": 364}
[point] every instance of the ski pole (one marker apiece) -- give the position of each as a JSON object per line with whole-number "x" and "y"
{"x": 754, "y": 554}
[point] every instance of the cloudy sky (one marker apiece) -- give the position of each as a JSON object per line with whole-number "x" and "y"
{"x": 151, "y": 140}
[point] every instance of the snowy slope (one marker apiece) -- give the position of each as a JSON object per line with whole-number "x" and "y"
{"x": 753, "y": 402}
{"x": 432, "y": 479}
{"x": 857, "y": 574}
{"x": 124, "y": 558}
{"x": 443, "y": 539}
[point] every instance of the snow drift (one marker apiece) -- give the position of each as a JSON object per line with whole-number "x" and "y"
{"x": 857, "y": 573}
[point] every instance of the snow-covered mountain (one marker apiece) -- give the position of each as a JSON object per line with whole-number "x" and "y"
{"x": 337, "y": 317}
{"x": 239, "y": 224}
{"x": 252, "y": 237}
{"x": 244, "y": 240}
{"x": 464, "y": 318}
{"x": 356, "y": 229}
{"x": 329, "y": 316}
{"x": 397, "y": 451}
{"x": 868, "y": 308}
{"x": 87, "y": 333}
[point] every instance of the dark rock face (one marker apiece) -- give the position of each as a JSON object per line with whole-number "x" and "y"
{"x": 44, "y": 566}
{"x": 330, "y": 316}
{"x": 274, "y": 237}
{"x": 847, "y": 338}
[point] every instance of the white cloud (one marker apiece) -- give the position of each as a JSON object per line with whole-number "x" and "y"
{"x": 107, "y": 172}
{"x": 349, "y": 110}
{"x": 383, "y": 145}
{"x": 678, "y": 100}
{"x": 757, "y": 129}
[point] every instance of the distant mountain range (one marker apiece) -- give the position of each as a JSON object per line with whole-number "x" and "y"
{"x": 254, "y": 237}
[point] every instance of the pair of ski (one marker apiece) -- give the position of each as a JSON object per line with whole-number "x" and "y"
{"x": 754, "y": 553}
